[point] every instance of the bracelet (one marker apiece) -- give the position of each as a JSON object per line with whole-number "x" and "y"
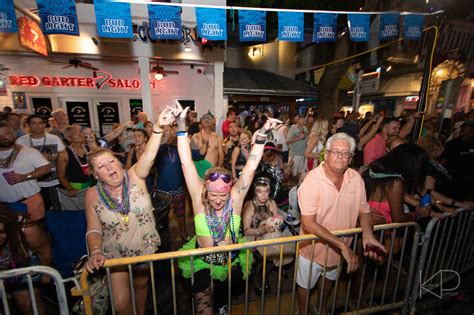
{"x": 97, "y": 250}
{"x": 157, "y": 132}
{"x": 93, "y": 231}
{"x": 260, "y": 141}
{"x": 181, "y": 133}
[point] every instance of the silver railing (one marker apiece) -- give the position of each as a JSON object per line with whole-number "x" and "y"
{"x": 29, "y": 273}
{"x": 446, "y": 252}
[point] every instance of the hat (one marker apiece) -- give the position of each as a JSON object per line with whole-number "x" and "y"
{"x": 207, "y": 116}
{"x": 270, "y": 146}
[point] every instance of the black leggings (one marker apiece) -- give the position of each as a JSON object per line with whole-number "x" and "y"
{"x": 202, "y": 281}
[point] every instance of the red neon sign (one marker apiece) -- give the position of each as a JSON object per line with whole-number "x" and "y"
{"x": 100, "y": 79}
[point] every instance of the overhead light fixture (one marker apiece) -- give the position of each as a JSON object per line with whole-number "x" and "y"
{"x": 256, "y": 51}
{"x": 159, "y": 76}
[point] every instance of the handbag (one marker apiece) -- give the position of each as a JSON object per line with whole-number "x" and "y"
{"x": 97, "y": 289}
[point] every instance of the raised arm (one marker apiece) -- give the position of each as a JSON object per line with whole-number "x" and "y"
{"x": 365, "y": 137}
{"x": 243, "y": 184}
{"x": 184, "y": 150}
{"x": 144, "y": 164}
{"x": 118, "y": 131}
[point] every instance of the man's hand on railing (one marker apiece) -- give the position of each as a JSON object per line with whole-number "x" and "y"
{"x": 96, "y": 261}
{"x": 351, "y": 259}
{"x": 373, "y": 249}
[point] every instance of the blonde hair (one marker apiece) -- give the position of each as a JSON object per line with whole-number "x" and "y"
{"x": 320, "y": 129}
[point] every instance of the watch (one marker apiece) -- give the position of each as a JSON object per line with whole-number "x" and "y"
{"x": 29, "y": 176}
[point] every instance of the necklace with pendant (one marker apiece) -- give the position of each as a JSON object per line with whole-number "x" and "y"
{"x": 119, "y": 205}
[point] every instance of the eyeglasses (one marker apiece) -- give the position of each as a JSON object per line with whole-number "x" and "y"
{"x": 344, "y": 154}
{"x": 225, "y": 177}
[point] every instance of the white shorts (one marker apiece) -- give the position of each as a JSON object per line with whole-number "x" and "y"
{"x": 303, "y": 273}
{"x": 298, "y": 165}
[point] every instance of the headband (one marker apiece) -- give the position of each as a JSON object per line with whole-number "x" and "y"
{"x": 218, "y": 186}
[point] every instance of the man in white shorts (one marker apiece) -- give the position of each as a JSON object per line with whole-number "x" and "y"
{"x": 332, "y": 197}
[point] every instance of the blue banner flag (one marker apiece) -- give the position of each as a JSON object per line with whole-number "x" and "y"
{"x": 389, "y": 26}
{"x": 324, "y": 29}
{"x": 252, "y": 25}
{"x": 212, "y": 23}
{"x": 413, "y": 26}
{"x": 291, "y": 26}
{"x": 165, "y": 22}
{"x": 58, "y": 17}
{"x": 113, "y": 19}
{"x": 7, "y": 17}
{"x": 359, "y": 27}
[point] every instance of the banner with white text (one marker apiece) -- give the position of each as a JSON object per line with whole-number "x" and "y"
{"x": 58, "y": 17}
{"x": 413, "y": 26}
{"x": 291, "y": 26}
{"x": 7, "y": 17}
{"x": 252, "y": 26}
{"x": 389, "y": 26}
{"x": 165, "y": 22}
{"x": 211, "y": 23}
{"x": 113, "y": 19}
{"x": 359, "y": 27}
{"x": 324, "y": 29}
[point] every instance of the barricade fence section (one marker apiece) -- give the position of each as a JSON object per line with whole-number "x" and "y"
{"x": 373, "y": 288}
{"x": 28, "y": 278}
{"x": 447, "y": 251}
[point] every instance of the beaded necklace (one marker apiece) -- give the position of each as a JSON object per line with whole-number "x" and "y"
{"x": 6, "y": 260}
{"x": 8, "y": 161}
{"x": 120, "y": 205}
{"x": 218, "y": 225}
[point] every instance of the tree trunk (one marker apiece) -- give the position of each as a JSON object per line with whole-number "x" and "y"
{"x": 328, "y": 93}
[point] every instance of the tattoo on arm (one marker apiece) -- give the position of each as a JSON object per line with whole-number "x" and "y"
{"x": 253, "y": 157}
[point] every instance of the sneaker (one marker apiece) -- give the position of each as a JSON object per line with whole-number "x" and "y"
{"x": 224, "y": 310}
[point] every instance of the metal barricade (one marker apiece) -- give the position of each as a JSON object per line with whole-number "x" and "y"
{"x": 446, "y": 252}
{"x": 389, "y": 286}
{"x": 29, "y": 273}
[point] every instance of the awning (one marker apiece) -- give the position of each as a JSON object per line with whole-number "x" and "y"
{"x": 402, "y": 85}
{"x": 260, "y": 82}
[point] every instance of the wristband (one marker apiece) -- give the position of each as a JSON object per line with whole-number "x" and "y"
{"x": 261, "y": 134}
{"x": 158, "y": 132}
{"x": 181, "y": 133}
{"x": 260, "y": 141}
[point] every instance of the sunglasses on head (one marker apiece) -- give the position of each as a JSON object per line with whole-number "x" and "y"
{"x": 225, "y": 177}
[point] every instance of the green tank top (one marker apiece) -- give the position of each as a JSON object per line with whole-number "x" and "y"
{"x": 202, "y": 229}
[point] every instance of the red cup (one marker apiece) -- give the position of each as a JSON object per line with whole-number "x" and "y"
{"x": 9, "y": 177}
{"x": 85, "y": 169}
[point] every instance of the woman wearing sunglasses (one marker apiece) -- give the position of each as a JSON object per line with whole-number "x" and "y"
{"x": 217, "y": 206}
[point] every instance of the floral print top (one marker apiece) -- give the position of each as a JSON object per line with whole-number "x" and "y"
{"x": 132, "y": 235}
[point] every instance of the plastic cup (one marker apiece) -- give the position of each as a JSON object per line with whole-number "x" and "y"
{"x": 9, "y": 177}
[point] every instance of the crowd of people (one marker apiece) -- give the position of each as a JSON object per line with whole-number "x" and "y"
{"x": 238, "y": 173}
